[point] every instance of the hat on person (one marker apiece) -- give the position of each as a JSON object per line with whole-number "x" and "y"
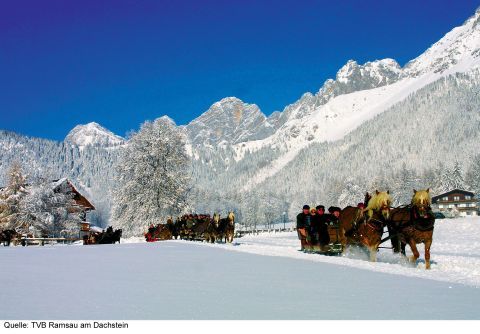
{"x": 306, "y": 207}
{"x": 332, "y": 209}
{"x": 320, "y": 207}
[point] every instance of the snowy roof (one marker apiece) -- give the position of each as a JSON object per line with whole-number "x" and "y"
{"x": 94, "y": 228}
{"x": 79, "y": 198}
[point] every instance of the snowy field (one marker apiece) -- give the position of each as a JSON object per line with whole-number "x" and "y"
{"x": 260, "y": 277}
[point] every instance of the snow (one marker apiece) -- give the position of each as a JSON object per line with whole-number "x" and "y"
{"x": 331, "y": 122}
{"x": 457, "y": 51}
{"x": 261, "y": 277}
{"x": 93, "y": 134}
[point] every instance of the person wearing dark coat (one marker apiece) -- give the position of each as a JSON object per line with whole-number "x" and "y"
{"x": 303, "y": 224}
{"x": 319, "y": 228}
{"x": 332, "y": 220}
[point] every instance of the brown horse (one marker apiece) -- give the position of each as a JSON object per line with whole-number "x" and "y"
{"x": 415, "y": 225}
{"x": 221, "y": 227}
{"x": 366, "y": 230}
{"x": 201, "y": 229}
{"x": 159, "y": 232}
{"x": 349, "y": 221}
{"x": 381, "y": 203}
{"x": 211, "y": 231}
{"x": 357, "y": 229}
{"x": 230, "y": 229}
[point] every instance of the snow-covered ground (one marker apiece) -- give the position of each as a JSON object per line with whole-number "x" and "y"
{"x": 260, "y": 277}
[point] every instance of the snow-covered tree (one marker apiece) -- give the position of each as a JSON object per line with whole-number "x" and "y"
{"x": 49, "y": 209}
{"x": 457, "y": 178}
{"x": 473, "y": 176}
{"x": 404, "y": 183}
{"x": 11, "y": 197}
{"x": 153, "y": 177}
{"x": 351, "y": 193}
{"x": 16, "y": 178}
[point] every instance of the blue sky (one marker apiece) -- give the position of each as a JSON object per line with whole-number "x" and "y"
{"x": 119, "y": 63}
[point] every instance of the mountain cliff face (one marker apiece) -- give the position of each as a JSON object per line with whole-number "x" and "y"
{"x": 231, "y": 121}
{"x": 228, "y": 121}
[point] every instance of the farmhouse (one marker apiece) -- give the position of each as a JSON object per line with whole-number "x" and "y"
{"x": 35, "y": 214}
{"x": 456, "y": 201}
{"x": 81, "y": 204}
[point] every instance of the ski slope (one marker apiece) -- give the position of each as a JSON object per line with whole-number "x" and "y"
{"x": 262, "y": 277}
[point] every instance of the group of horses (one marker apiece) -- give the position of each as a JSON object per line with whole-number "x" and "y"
{"x": 109, "y": 236}
{"x": 195, "y": 227}
{"x": 408, "y": 224}
{"x": 7, "y": 236}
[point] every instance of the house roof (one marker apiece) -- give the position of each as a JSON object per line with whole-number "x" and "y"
{"x": 454, "y": 191}
{"x": 77, "y": 197}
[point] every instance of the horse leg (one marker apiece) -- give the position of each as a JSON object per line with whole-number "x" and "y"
{"x": 428, "y": 244}
{"x": 403, "y": 246}
{"x": 373, "y": 253}
{"x": 413, "y": 247}
{"x": 395, "y": 240}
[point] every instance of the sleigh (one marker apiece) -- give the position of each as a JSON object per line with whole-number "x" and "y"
{"x": 334, "y": 247}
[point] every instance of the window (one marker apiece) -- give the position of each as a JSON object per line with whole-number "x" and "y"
{"x": 456, "y": 198}
{"x": 468, "y": 197}
{"x": 445, "y": 198}
{"x": 463, "y": 205}
{"x": 440, "y": 206}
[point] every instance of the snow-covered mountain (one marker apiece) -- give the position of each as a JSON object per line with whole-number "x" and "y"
{"x": 357, "y": 95}
{"x": 93, "y": 134}
{"x": 457, "y": 51}
{"x": 228, "y": 121}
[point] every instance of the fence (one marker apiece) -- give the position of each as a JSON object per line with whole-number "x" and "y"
{"x": 240, "y": 233}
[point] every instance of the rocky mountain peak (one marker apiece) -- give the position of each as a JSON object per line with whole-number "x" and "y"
{"x": 229, "y": 120}
{"x": 93, "y": 134}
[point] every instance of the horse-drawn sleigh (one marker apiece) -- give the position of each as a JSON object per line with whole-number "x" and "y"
{"x": 409, "y": 224}
{"x": 109, "y": 236}
{"x": 195, "y": 227}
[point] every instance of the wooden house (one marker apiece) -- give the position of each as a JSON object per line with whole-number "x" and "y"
{"x": 461, "y": 202}
{"x": 82, "y": 204}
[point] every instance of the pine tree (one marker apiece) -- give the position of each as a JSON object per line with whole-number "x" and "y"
{"x": 457, "y": 179}
{"x": 473, "y": 176}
